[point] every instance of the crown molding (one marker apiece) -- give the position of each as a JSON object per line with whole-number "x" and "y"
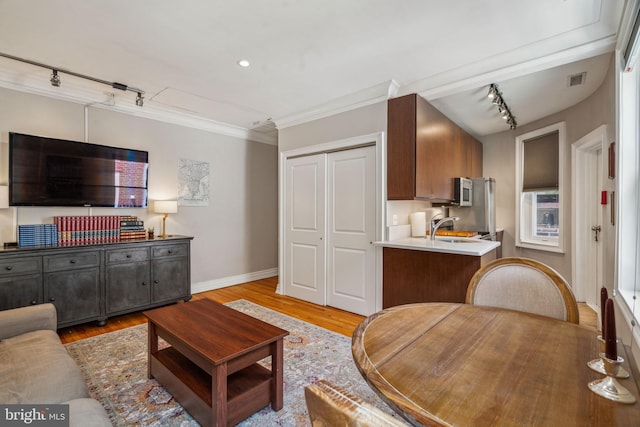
{"x": 89, "y": 96}
{"x": 369, "y": 96}
{"x": 450, "y": 83}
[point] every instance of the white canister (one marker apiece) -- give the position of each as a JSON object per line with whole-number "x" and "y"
{"x": 418, "y": 224}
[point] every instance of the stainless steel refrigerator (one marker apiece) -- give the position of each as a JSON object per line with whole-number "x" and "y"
{"x": 481, "y": 215}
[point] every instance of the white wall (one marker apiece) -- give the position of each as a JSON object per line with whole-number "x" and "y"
{"x": 235, "y": 237}
{"x": 361, "y": 121}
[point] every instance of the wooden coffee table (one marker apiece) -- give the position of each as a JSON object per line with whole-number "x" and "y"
{"x": 211, "y": 366}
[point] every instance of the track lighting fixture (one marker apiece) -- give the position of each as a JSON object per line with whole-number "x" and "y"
{"x": 496, "y": 99}
{"x": 493, "y": 91}
{"x": 55, "y": 78}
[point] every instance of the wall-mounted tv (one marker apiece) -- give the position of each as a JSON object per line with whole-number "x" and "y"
{"x": 55, "y": 172}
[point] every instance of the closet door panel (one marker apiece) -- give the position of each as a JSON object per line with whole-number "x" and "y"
{"x": 305, "y": 263}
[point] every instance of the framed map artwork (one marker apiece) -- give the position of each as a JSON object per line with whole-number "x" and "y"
{"x": 193, "y": 183}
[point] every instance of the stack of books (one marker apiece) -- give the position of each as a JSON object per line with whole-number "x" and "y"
{"x": 132, "y": 228}
{"x": 86, "y": 230}
{"x": 37, "y": 235}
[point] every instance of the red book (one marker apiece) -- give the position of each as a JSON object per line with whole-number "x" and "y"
{"x": 610, "y": 345}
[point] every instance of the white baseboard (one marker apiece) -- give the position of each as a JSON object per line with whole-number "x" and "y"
{"x": 232, "y": 280}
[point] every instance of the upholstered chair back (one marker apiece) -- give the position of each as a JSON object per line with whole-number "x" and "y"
{"x": 523, "y": 284}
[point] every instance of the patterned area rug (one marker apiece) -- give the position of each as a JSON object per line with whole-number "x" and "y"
{"x": 115, "y": 368}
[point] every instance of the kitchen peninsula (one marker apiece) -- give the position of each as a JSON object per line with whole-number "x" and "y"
{"x": 418, "y": 269}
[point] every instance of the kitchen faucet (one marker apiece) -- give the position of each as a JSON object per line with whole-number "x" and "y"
{"x": 434, "y": 227}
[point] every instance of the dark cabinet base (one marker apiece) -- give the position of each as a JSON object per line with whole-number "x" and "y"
{"x": 411, "y": 276}
{"x": 93, "y": 282}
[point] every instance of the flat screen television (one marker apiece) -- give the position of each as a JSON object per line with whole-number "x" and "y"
{"x": 55, "y": 172}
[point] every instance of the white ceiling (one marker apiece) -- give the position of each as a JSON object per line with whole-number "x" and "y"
{"x": 311, "y": 59}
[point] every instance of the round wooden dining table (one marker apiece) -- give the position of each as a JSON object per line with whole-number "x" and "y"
{"x": 441, "y": 364}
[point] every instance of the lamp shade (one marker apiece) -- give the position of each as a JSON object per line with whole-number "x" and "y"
{"x": 4, "y": 196}
{"x": 165, "y": 206}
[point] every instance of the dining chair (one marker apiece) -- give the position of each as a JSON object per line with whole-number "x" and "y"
{"x": 330, "y": 405}
{"x": 523, "y": 284}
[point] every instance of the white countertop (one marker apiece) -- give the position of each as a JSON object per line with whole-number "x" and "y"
{"x": 469, "y": 246}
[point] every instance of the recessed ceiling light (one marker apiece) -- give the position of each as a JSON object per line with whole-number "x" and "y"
{"x": 244, "y": 63}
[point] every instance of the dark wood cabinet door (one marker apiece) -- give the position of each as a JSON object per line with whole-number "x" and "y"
{"x": 426, "y": 151}
{"x": 20, "y": 291}
{"x": 474, "y": 158}
{"x": 169, "y": 279}
{"x": 75, "y": 293}
{"x": 439, "y": 154}
{"x": 128, "y": 286}
{"x": 401, "y": 148}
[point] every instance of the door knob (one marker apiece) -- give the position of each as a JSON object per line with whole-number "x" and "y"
{"x": 596, "y": 230}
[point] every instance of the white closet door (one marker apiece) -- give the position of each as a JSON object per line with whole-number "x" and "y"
{"x": 305, "y": 261}
{"x": 351, "y": 230}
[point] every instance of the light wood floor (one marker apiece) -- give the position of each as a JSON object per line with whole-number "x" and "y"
{"x": 262, "y": 292}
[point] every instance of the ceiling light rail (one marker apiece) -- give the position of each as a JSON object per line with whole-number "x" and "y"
{"x": 56, "y": 81}
{"x": 496, "y": 99}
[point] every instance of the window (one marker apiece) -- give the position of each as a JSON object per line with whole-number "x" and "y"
{"x": 628, "y": 176}
{"x": 539, "y": 193}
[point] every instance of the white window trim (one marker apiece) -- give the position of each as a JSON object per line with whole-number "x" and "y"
{"x": 549, "y": 246}
{"x": 627, "y": 191}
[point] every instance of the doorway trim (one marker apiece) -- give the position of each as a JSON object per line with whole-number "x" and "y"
{"x": 581, "y": 157}
{"x": 377, "y": 139}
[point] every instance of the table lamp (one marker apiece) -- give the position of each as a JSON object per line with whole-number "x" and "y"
{"x": 165, "y": 207}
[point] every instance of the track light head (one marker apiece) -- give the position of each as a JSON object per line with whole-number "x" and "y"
{"x": 55, "y": 78}
{"x": 496, "y": 99}
{"x": 493, "y": 91}
{"x": 139, "y": 100}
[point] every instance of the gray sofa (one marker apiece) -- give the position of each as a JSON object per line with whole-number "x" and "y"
{"x": 35, "y": 367}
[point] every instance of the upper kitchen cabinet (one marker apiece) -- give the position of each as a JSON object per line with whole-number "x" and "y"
{"x": 425, "y": 151}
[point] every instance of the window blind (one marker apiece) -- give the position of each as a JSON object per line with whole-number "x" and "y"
{"x": 541, "y": 163}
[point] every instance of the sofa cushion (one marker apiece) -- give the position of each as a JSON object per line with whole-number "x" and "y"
{"x": 36, "y": 368}
{"x": 87, "y": 413}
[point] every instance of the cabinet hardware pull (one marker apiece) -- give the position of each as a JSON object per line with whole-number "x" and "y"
{"x": 144, "y": 283}
{"x": 128, "y": 255}
{"x": 169, "y": 251}
{"x": 8, "y": 267}
{"x": 52, "y": 299}
{"x": 156, "y": 282}
{"x": 34, "y": 302}
{"x": 73, "y": 261}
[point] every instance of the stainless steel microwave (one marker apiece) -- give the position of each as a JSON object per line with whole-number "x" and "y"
{"x": 462, "y": 191}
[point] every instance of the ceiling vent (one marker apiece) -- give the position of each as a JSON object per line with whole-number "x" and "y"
{"x": 577, "y": 79}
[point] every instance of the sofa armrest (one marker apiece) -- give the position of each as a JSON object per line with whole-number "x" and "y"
{"x": 26, "y": 319}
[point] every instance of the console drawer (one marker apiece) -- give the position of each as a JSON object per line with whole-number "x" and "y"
{"x": 127, "y": 255}
{"x": 72, "y": 260}
{"x": 170, "y": 250}
{"x": 20, "y": 266}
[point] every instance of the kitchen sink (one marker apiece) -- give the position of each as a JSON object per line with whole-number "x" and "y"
{"x": 455, "y": 240}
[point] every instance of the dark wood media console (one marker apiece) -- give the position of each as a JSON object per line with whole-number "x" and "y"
{"x": 94, "y": 282}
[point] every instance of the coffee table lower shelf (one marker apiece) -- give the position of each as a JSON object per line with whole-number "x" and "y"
{"x": 248, "y": 390}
